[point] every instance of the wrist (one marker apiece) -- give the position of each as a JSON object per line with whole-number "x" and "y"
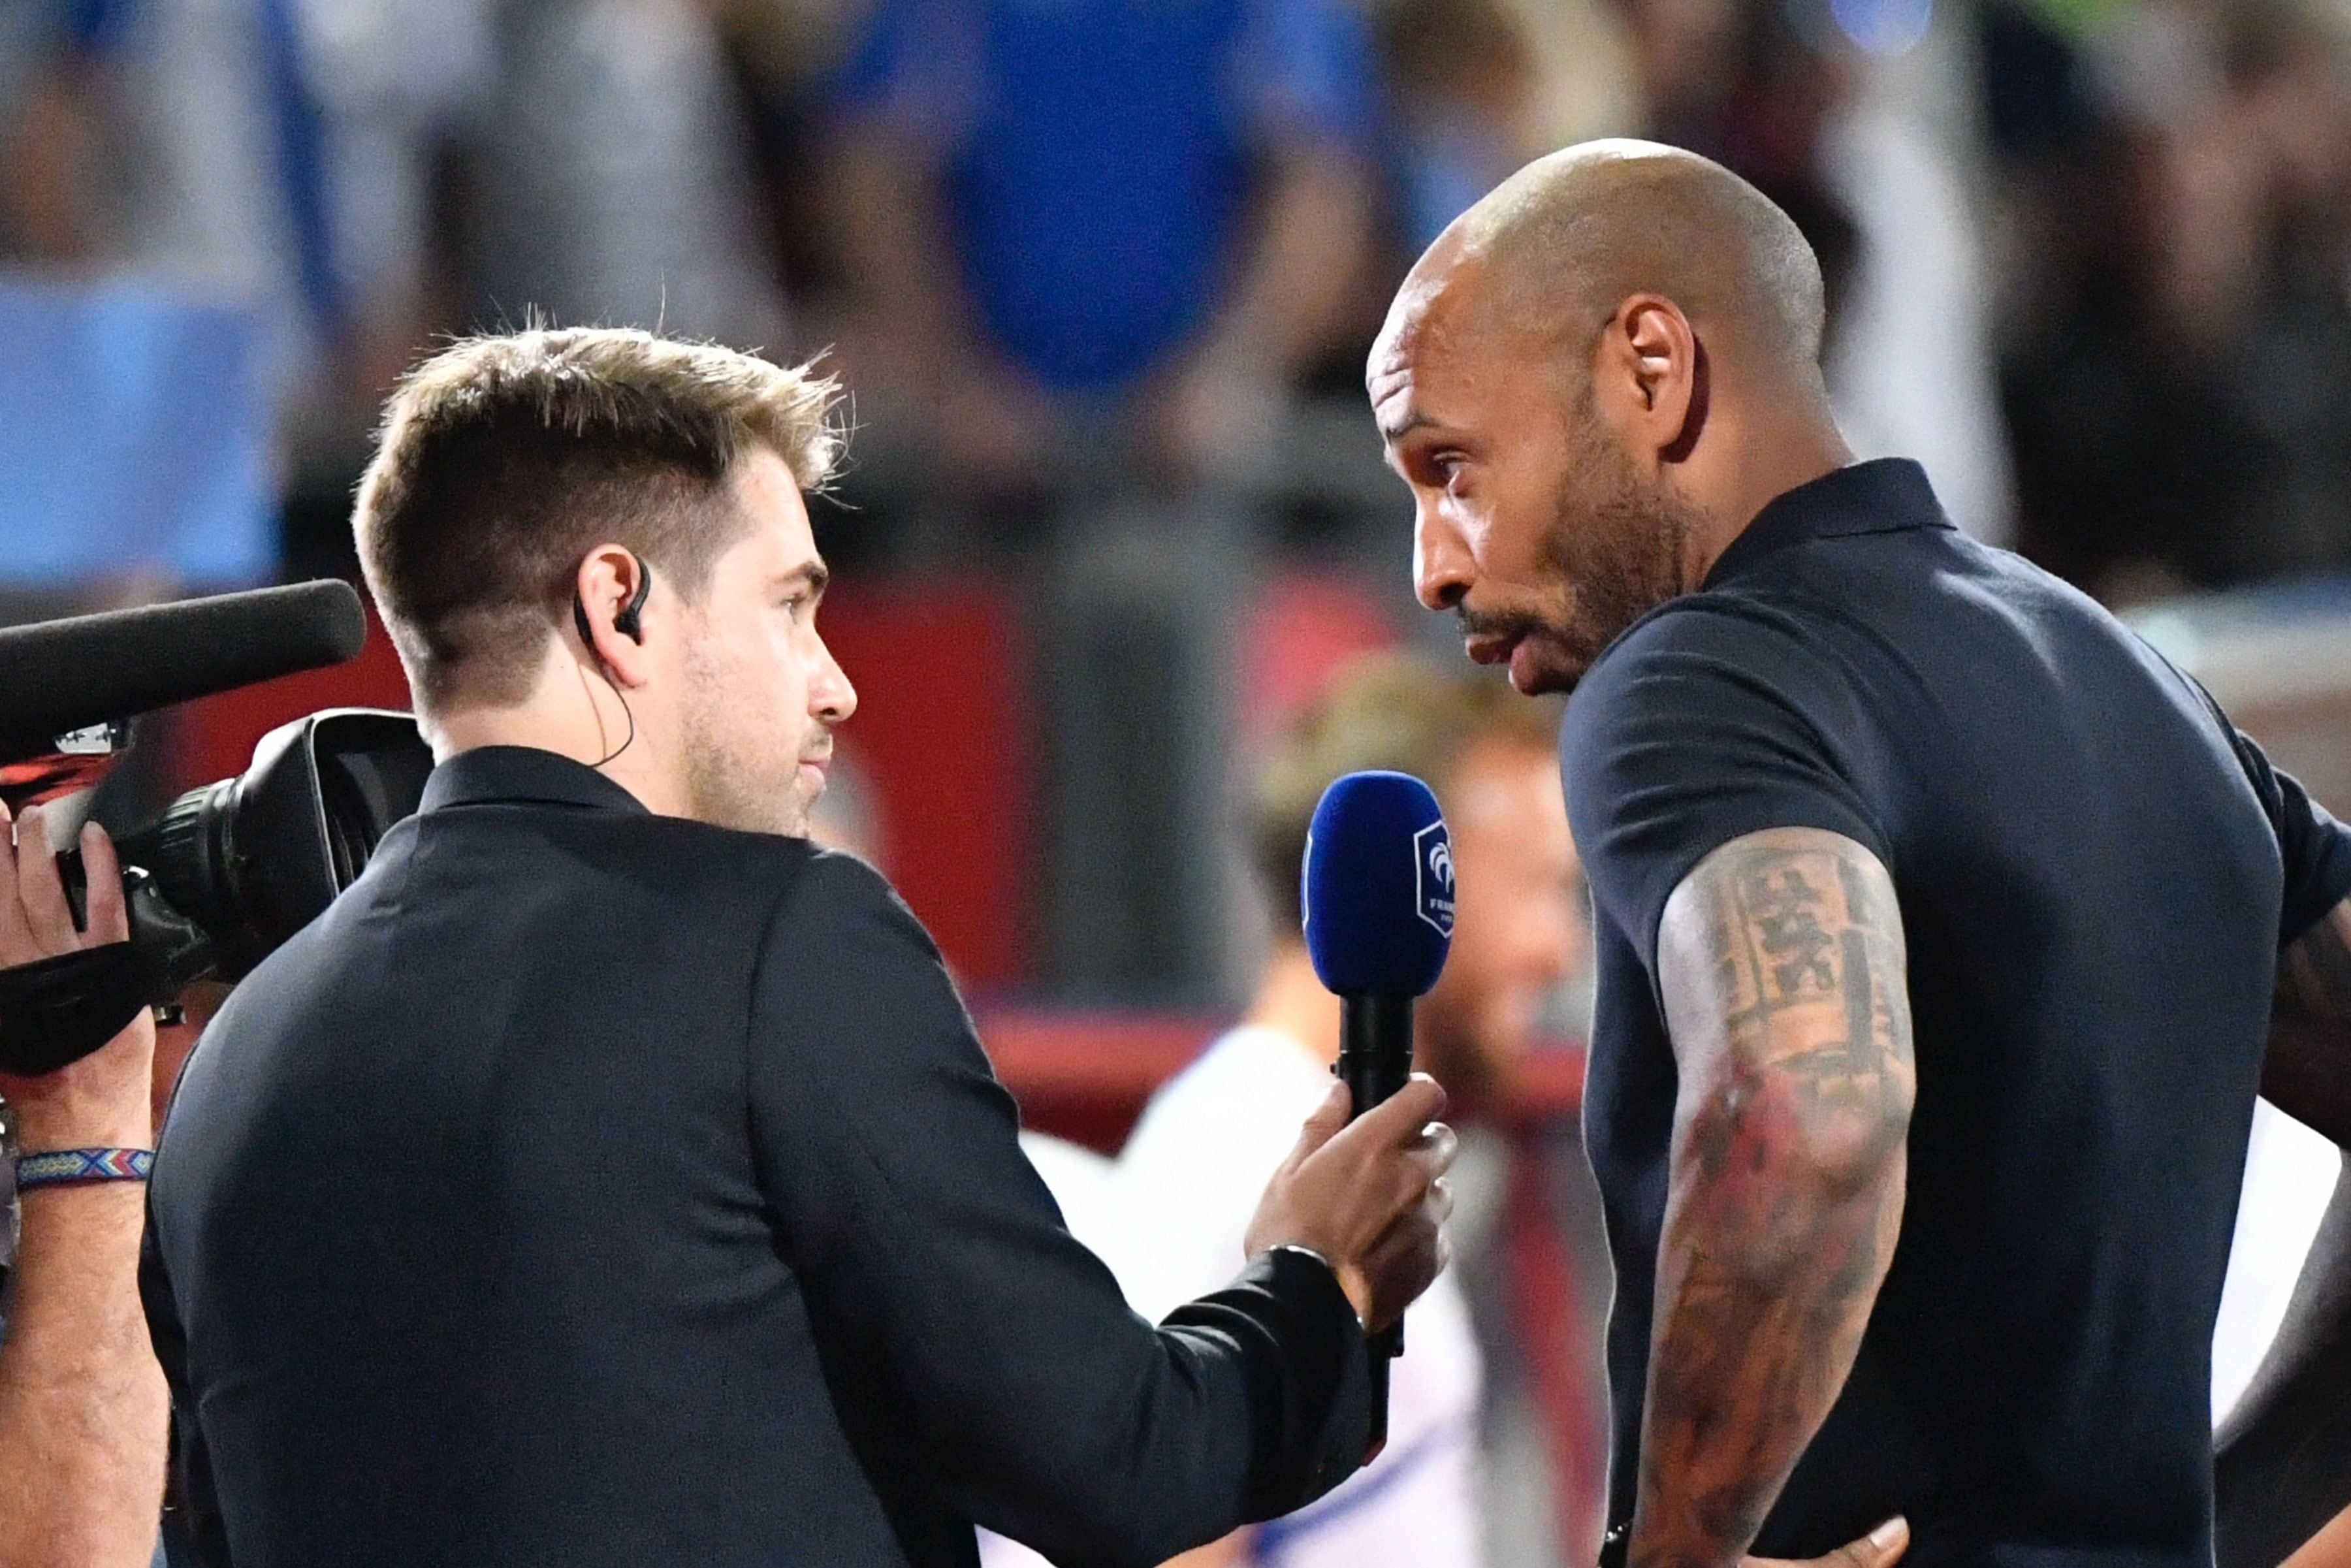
{"x": 105, "y": 1100}
{"x": 83, "y": 1167}
{"x": 43, "y": 1129}
{"x": 1351, "y": 1282}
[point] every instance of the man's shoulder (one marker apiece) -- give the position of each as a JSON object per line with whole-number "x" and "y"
{"x": 721, "y": 875}
{"x": 1751, "y": 620}
{"x": 1697, "y": 650}
{"x": 832, "y": 895}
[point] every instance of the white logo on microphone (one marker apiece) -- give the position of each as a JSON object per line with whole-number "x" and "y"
{"x": 1433, "y": 876}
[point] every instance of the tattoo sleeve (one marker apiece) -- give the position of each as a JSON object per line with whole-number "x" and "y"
{"x": 1781, "y": 963}
{"x": 2307, "y": 1071}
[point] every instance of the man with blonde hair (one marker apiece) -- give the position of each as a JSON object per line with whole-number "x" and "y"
{"x": 612, "y": 1177}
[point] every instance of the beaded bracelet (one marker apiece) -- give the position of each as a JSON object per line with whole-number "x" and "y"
{"x": 73, "y": 1167}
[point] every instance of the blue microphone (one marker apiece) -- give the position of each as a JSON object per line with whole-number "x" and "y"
{"x": 1378, "y": 897}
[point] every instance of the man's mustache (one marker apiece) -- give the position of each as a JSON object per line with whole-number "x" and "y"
{"x": 1496, "y": 623}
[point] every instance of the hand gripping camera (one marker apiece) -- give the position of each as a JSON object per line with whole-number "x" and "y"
{"x": 229, "y": 871}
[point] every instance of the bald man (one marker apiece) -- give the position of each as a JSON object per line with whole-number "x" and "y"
{"x": 1938, "y": 919}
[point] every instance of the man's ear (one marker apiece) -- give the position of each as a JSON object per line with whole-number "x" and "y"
{"x": 610, "y": 580}
{"x": 1649, "y": 378}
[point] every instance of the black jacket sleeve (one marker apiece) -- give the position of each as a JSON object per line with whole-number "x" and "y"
{"x": 976, "y": 1352}
{"x": 193, "y": 1532}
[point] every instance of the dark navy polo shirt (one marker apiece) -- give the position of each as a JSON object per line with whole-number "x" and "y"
{"x": 2095, "y": 873}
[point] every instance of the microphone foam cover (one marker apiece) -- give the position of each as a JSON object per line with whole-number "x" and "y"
{"x": 60, "y": 675}
{"x": 1378, "y": 886}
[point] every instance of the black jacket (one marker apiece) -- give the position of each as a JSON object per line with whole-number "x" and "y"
{"x": 588, "y": 1187}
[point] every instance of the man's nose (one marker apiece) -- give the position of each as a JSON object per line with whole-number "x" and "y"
{"x": 1440, "y": 560}
{"x": 831, "y": 696}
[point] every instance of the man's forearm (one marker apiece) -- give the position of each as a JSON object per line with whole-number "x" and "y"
{"x": 1763, "y": 1293}
{"x": 82, "y": 1403}
{"x": 1783, "y": 973}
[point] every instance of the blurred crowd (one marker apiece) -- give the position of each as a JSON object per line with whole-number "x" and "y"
{"x": 1099, "y": 274}
{"x": 2087, "y": 256}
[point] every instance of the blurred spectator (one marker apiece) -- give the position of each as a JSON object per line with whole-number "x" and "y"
{"x": 1852, "y": 115}
{"x": 2175, "y": 375}
{"x": 175, "y": 141}
{"x": 1090, "y": 247}
{"x": 157, "y": 304}
{"x": 1478, "y": 87}
{"x": 580, "y": 160}
{"x": 1913, "y": 366}
{"x": 1134, "y": 220}
{"x": 180, "y": 147}
{"x": 614, "y": 183}
{"x": 398, "y": 86}
{"x": 363, "y": 173}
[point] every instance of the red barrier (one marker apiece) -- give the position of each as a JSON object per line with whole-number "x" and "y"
{"x": 943, "y": 735}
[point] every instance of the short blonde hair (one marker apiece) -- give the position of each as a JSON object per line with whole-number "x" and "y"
{"x": 1392, "y": 711}
{"x": 504, "y": 459}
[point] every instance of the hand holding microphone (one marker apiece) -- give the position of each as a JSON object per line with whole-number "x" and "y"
{"x": 1378, "y": 898}
{"x": 1369, "y": 1195}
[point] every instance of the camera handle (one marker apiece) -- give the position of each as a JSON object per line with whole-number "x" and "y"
{"x": 58, "y": 1010}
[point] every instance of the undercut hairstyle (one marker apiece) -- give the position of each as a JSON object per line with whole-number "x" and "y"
{"x": 1385, "y": 711}
{"x": 503, "y": 460}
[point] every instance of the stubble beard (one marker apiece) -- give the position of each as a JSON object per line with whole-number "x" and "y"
{"x": 1619, "y": 543}
{"x": 736, "y": 776}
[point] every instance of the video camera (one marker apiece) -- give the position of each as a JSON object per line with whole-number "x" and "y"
{"x": 229, "y": 871}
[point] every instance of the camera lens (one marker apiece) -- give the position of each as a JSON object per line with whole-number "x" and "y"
{"x": 191, "y": 853}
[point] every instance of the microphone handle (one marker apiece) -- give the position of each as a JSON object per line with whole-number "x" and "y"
{"x": 1374, "y": 1062}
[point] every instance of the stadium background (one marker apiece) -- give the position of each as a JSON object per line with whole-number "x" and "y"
{"x": 1099, "y": 274}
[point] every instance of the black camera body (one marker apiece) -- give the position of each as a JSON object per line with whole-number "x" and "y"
{"x": 252, "y": 860}
{"x": 222, "y": 879}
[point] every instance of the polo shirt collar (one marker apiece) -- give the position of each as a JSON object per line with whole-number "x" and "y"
{"x": 1883, "y": 495}
{"x": 511, "y": 774}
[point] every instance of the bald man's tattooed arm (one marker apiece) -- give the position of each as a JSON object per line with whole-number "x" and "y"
{"x": 1780, "y": 960}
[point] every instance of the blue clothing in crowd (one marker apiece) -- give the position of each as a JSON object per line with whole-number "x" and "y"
{"x": 1098, "y": 154}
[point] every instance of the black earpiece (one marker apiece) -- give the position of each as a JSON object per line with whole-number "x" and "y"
{"x": 627, "y": 623}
